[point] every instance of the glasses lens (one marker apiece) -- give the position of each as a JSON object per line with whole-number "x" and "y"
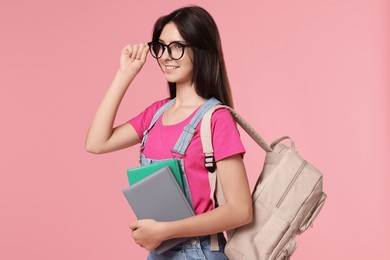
{"x": 176, "y": 50}
{"x": 156, "y": 49}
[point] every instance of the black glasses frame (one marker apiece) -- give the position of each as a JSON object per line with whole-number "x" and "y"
{"x": 168, "y": 47}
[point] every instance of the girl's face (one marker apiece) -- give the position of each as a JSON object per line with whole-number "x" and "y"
{"x": 175, "y": 71}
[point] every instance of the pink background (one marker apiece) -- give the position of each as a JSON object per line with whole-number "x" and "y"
{"x": 315, "y": 70}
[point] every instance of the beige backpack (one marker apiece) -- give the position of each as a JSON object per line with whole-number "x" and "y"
{"x": 286, "y": 199}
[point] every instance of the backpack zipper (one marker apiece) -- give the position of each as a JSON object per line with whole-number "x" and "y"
{"x": 299, "y": 171}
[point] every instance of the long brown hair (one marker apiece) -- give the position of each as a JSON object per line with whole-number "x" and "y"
{"x": 200, "y": 31}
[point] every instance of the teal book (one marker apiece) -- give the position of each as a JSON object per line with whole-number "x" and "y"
{"x": 136, "y": 174}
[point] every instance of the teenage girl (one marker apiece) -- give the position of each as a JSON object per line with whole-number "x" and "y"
{"x": 187, "y": 47}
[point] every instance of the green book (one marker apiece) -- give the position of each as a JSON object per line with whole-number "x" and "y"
{"x": 136, "y": 174}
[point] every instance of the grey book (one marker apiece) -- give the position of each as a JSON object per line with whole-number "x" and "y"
{"x": 159, "y": 197}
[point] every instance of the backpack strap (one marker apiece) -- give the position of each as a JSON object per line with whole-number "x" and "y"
{"x": 210, "y": 164}
{"x": 216, "y": 192}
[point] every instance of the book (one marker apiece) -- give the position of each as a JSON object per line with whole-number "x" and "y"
{"x": 159, "y": 197}
{"x": 134, "y": 175}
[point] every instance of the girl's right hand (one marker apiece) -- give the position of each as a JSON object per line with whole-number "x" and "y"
{"x": 133, "y": 57}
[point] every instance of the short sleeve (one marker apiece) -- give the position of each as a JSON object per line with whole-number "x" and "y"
{"x": 226, "y": 137}
{"x": 142, "y": 121}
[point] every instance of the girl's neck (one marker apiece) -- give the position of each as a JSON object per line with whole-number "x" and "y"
{"x": 186, "y": 96}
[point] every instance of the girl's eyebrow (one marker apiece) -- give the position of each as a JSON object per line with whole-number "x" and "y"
{"x": 178, "y": 41}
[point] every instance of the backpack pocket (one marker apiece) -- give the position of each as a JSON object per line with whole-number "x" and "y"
{"x": 271, "y": 233}
{"x": 307, "y": 222}
{"x": 287, "y": 250}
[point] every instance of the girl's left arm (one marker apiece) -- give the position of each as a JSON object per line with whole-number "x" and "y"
{"x": 237, "y": 210}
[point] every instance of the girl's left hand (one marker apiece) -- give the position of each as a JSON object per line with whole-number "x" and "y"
{"x": 148, "y": 233}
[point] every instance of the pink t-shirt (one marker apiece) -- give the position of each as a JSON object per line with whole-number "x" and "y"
{"x": 162, "y": 139}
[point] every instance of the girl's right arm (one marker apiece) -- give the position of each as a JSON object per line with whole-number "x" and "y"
{"x": 102, "y": 137}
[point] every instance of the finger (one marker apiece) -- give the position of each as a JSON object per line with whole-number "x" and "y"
{"x": 134, "y": 53}
{"x": 140, "y": 51}
{"x": 134, "y": 234}
{"x": 133, "y": 226}
{"x": 144, "y": 53}
{"x": 127, "y": 50}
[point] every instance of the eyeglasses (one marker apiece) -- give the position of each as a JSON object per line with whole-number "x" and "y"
{"x": 175, "y": 49}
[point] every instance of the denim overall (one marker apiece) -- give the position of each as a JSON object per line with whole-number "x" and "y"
{"x": 196, "y": 247}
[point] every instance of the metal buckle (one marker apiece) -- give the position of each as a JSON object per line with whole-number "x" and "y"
{"x": 209, "y": 162}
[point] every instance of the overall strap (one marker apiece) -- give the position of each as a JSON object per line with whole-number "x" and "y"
{"x": 189, "y": 130}
{"x": 159, "y": 112}
{"x": 184, "y": 141}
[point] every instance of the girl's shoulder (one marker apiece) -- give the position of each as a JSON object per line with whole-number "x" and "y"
{"x": 223, "y": 120}
{"x": 222, "y": 115}
{"x": 152, "y": 109}
{"x": 157, "y": 104}
{"x": 143, "y": 119}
